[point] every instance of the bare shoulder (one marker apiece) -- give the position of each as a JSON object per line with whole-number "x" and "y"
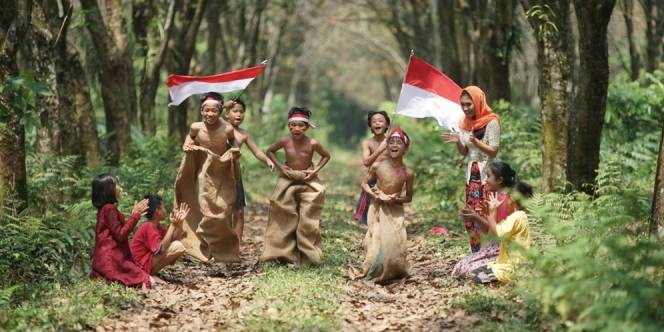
{"x": 409, "y": 173}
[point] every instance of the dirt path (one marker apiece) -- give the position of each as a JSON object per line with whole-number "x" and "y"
{"x": 420, "y": 302}
{"x": 200, "y": 296}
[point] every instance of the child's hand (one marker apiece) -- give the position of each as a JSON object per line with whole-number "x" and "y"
{"x": 270, "y": 165}
{"x": 140, "y": 207}
{"x": 383, "y": 145}
{"x": 493, "y": 203}
{"x": 178, "y": 215}
{"x": 308, "y": 174}
{"x": 468, "y": 213}
{"x": 229, "y": 104}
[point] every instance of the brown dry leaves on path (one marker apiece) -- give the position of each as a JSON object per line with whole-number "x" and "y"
{"x": 420, "y": 302}
{"x": 200, "y": 296}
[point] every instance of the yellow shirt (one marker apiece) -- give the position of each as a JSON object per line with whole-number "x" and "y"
{"x": 513, "y": 229}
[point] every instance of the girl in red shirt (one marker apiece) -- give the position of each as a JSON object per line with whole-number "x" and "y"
{"x": 112, "y": 258}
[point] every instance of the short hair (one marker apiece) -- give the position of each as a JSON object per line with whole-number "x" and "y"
{"x": 299, "y": 110}
{"x": 154, "y": 202}
{"x": 239, "y": 101}
{"x": 103, "y": 190}
{"x": 372, "y": 113}
{"x": 212, "y": 95}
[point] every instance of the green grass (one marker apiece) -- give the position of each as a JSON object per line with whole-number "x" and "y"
{"x": 307, "y": 298}
{"x": 80, "y": 306}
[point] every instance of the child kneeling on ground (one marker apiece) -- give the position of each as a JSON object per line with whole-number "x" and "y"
{"x": 154, "y": 246}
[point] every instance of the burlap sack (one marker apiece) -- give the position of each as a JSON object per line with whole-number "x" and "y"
{"x": 293, "y": 230}
{"x": 385, "y": 243}
{"x": 207, "y": 183}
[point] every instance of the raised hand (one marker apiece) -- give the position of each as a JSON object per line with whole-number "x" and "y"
{"x": 493, "y": 202}
{"x": 140, "y": 207}
{"x": 450, "y": 137}
{"x": 178, "y": 215}
{"x": 468, "y": 213}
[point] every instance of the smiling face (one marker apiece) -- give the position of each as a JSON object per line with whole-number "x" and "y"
{"x": 236, "y": 115}
{"x": 396, "y": 147}
{"x": 210, "y": 113}
{"x": 493, "y": 183}
{"x": 378, "y": 124}
{"x": 467, "y": 105}
{"x": 297, "y": 128}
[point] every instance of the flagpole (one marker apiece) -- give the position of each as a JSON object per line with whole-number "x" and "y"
{"x": 264, "y": 63}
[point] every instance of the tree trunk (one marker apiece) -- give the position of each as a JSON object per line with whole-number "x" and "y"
{"x": 554, "y": 75}
{"x": 635, "y": 61}
{"x": 118, "y": 88}
{"x": 183, "y": 52}
{"x": 13, "y": 180}
{"x": 588, "y": 118}
{"x": 657, "y": 214}
{"x": 451, "y": 58}
{"x": 42, "y": 60}
{"x": 494, "y": 57}
{"x": 88, "y": 142}
{"x": 654, "y": 15}
{"x": 151, "y": 79}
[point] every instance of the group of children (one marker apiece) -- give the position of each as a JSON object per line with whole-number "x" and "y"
{"x": 207, "y": 222}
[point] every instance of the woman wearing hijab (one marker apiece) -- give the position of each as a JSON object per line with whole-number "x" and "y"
{"x": 479, "y": 139}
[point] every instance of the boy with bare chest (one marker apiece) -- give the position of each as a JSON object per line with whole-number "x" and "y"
{"x": 386, "y": 241}
{"x": 206, "y": 181}
{"x": 235, "y": 117}
{"x": 374, "y": 150}
{"x": 296, "y": 204}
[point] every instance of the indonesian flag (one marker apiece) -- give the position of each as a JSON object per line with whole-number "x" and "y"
{"x": 180, "y": 87}
{"x": 426, "y": 92}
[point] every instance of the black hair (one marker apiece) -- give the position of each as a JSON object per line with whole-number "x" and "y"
{"x": 103, "y": 190}
{"x": 299, "y": 110}
{"x": 239, "y": 101}
{"x": 383, "y": 113}
{"x": 213, "y": 95}
{"x": 503, "y": 170}
{"x": 154, "y": 202}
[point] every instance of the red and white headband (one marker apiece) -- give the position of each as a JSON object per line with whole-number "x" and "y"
{"x": 300, "y": 117}
{"x": 398, "y": 132}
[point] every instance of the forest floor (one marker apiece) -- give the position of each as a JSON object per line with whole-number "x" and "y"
{"x": 253, "y": 296}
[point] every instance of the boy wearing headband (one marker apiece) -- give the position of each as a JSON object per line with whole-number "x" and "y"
{"x": 386, "y": 241}
{"x": 374, "y": 150}
{"x": 296, "y": 204}
{"x": 207, "y": 182}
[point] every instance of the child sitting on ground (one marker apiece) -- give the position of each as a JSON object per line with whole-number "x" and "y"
{"x": 386, "y": 242}
{"x": 486, "y": 268}
{"x": 296, "y": 204}
{"x": 154, "y": 246}
{"x": 235, "y": 116}
{"x": 373, "y": 150}
{"x": 111, "y": 259}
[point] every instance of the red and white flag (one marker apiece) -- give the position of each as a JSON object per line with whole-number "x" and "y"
{"x": 180, "y": 87}
{"x": 427, "y": 92}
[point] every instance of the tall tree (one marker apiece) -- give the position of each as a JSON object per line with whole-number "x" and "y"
{"x": 181, "y": 53}
{"x": 118, "y": 88}
{"x": 657, "y": 212}
{"x": 15, "y": 23}
{"x": 627, "y": 7}
{"x": 549, "y": 20}
{"x": 654, "y": 14}
{"x": 154, "y": 61}
{"x": 587, "y": 119}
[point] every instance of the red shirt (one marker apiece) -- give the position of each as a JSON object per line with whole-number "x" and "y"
{"x": 146, "y": 243}
{"x": 112, "y": 259}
